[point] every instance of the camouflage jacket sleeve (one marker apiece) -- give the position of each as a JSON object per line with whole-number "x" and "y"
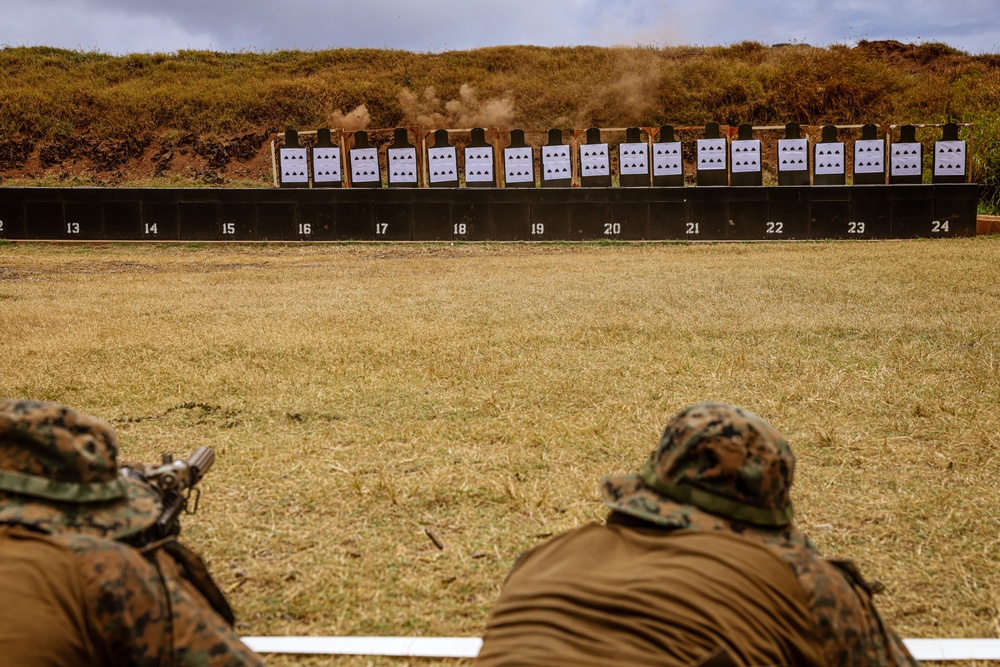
{"x": 201, "y": 636}
{"x": 850, "y": 628}
{"x": 142, "y": 615}
{"x": 127, "y": 609}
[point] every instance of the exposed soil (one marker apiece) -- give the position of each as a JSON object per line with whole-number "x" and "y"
{"x": 987, "y": 224}
{"x": 241, "y": 158}
{"x": 917, "y": 57}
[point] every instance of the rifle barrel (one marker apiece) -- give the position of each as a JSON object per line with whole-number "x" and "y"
{"x": 201, "y": 461}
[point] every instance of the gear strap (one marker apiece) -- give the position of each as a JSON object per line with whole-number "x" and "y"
{"x": 193, "y": 569}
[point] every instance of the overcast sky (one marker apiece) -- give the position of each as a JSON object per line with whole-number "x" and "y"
{"x": 127, "y": 26}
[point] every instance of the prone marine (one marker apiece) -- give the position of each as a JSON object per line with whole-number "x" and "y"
{"x": 75, "y": 591}
{"x": 698, "y": 563}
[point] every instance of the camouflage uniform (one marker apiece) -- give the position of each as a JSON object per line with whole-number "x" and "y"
{"x": 74, "y": 594}
{"x": 718, "y": 470}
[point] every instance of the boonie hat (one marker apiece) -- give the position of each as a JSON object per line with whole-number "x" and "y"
{"x": 59, "y": 472}
{"x": 713, "y": 458}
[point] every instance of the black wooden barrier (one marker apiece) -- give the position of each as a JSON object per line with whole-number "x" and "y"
{"x": 481, "y": 214}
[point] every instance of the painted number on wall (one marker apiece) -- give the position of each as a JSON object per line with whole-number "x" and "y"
{"x": 228, "y": 228}
{"x": 855, "y": 228}
{"x": 460, "y": 229}
{"x": 939, "y": 226}
{"x": 537, "y": 229}
{"x": 775, "y": 228}
{"x": 72, "y": 227}
{"x": 149, "y": 229}
{"x": 305, "y": 229}
{"x": 1, "y": 225}
{"x": 612, "y": 228}
{"x": 692, "y": 228}
{"x": 381, "y": 228}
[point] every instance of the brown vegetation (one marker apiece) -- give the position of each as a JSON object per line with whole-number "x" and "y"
{"x": 204, "y": 116}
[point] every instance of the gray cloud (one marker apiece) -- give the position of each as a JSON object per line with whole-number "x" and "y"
{"x": 122, "y": 26}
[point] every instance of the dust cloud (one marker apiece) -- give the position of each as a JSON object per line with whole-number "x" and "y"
{"x": 427, "y": 110}
{"x": 356, "y": 119}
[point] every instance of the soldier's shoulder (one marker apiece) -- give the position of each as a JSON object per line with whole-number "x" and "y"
{"x": 107, "y": 564}
{"x": 555, "y": 543}
{"x": 83, "y": 544}
{"x": 847, "y": 621}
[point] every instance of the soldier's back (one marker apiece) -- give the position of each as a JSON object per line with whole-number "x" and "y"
{"x": 73, "y": 599}
{"x": 45, "y": 619}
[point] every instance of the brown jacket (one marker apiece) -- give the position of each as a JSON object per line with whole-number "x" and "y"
{"x": 71, "y": 599}
{"x": 628, "y": 593}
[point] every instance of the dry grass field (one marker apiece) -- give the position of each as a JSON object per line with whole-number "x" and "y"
{"x": 359, "y": 396}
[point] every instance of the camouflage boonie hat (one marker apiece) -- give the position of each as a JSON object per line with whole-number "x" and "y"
{"x": 712, "y": 458}
{"x": 59, "y": 472}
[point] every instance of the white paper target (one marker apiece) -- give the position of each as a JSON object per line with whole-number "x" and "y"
{"x": 519, "y": 165}
{"x": 364, "y": 165}
{"x": 949, "y": 158}
{"x": 745, "y": 155}
{"x": 555, "y": 163}
{"x": 402, "y": 165}
{"x": 869, "y": 156}
{"x": 594, "y": 160}
{"x": 667, "y": 158}
{"x": 633, "y": 159}
{"x": 479, "y": 164}
{"x": 830, "y": 158}
{"x": 792, "y": 155}
{"x": 326, "y": 165}
{"x": 905, "y": 159}
{"x": 442, "y": 164}
{"x": 711, "y": 154}
{"x": 294, "y": 165}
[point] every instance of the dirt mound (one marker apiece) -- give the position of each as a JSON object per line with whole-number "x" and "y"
{"x": 246, "y": 157}
{"x": 910, "y": 56}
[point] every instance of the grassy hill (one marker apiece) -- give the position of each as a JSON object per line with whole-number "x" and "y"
{"x": 199, "y": 115}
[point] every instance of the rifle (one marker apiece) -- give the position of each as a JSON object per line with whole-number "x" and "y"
{"x": 175, "y": 481}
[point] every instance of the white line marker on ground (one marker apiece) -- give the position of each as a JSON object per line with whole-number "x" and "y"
{"x": 468, "y": 647}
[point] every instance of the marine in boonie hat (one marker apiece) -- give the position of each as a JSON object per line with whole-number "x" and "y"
{"x": 715, "y": 464}
{"x": 59, "y": 472}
